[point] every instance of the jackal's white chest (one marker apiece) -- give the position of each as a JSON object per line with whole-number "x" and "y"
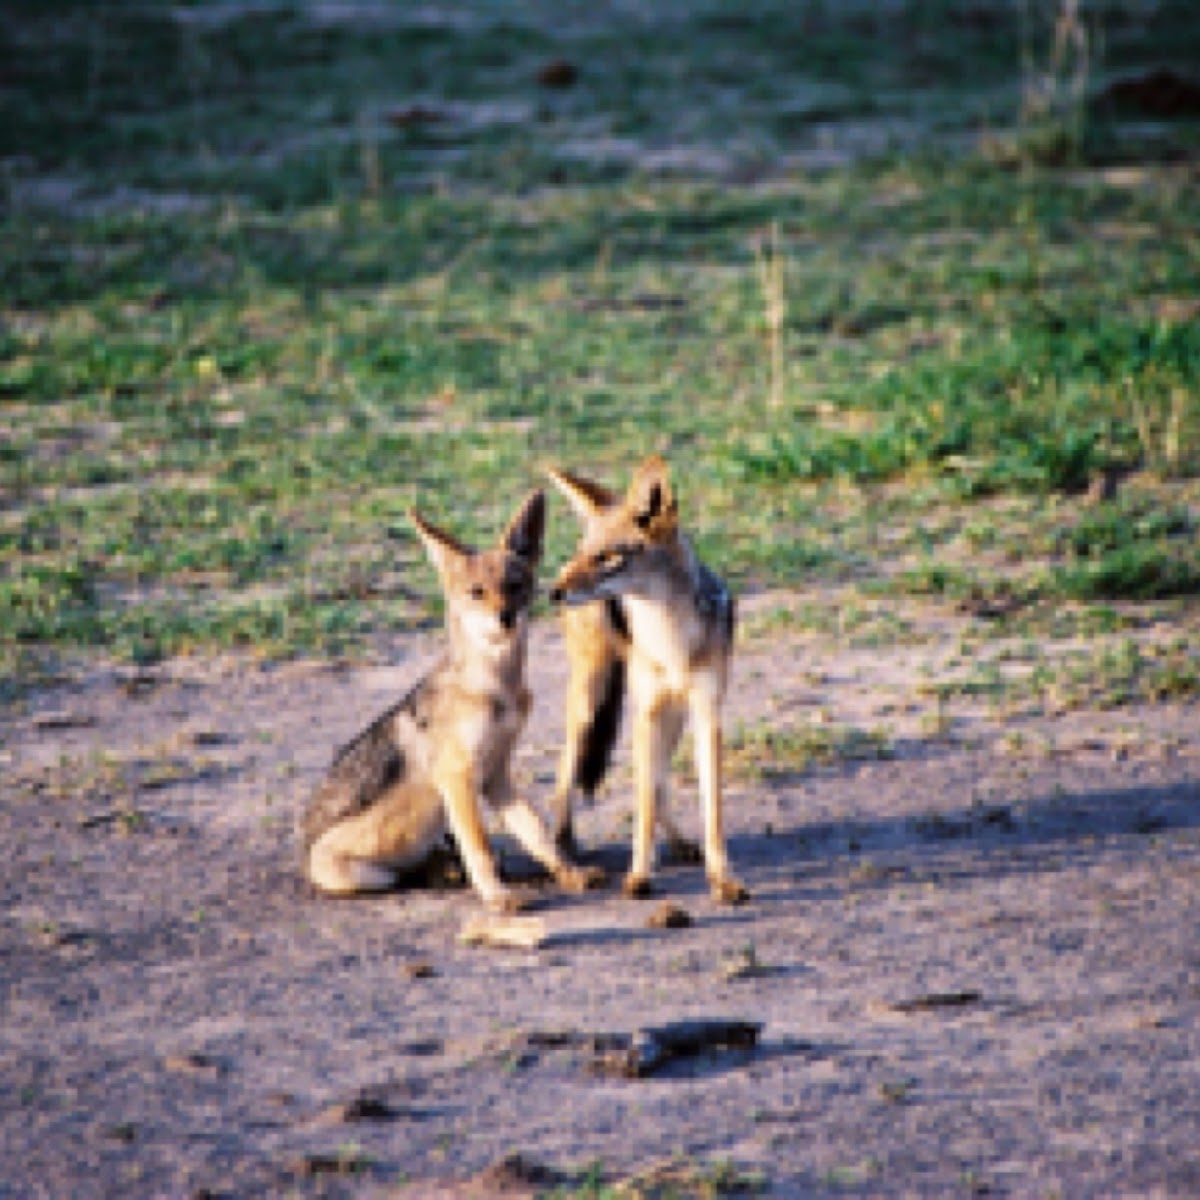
{"x": 490, "y": 729}
{"x": 663, "y": 641}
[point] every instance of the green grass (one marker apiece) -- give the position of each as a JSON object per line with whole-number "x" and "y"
{"x": 1110, "y": 673}
{"x": 249, "y": 319}
{"x": 758, "y": 752}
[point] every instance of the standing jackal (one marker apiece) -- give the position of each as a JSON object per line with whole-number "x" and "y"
{"x": 428, "y": 761}
{"x": 653, "y": 612}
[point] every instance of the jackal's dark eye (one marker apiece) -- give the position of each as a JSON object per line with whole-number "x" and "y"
{"x": 477, "y": 592}
{"x": 607, "y": 560}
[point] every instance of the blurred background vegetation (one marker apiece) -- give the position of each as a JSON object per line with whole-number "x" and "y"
{"x": 908, "y": 292}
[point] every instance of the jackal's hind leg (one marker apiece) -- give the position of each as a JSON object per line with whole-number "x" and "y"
{"x": 706, "y": 724}
{"x": 562, "y": 804}
{"x": 369, "y": 851}
{"x": 344, "y": 860}
{"x": 339, "y": 874}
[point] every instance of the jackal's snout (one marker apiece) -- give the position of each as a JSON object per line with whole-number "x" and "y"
{"x": 566, "y": 584}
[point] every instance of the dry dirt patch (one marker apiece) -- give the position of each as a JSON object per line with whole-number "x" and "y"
{"x": 971, "y": 966}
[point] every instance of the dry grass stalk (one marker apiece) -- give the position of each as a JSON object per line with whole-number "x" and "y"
{"x": 770, "y": 280}
{"x": 1160, "y": 434}
{"x": 368, "y": 152}
{"x": 1054, "y": 95}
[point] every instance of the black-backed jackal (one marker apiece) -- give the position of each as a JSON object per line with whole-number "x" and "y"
{"x": 428, "y": 762}
{"x": 641, "y": 608}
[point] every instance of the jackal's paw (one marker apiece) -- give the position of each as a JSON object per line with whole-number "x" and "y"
{"x": 581, "y": 879}
{"x": 682, "y": 852}
{"x": 728, "y": 890}
{"x": 637, "y": 887}
{"x": 508, "y": 900}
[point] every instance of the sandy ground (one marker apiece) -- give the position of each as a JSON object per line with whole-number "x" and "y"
{"x": 976, "y": 962}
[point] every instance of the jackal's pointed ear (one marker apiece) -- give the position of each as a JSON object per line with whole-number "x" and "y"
{"x": 651, "y": 499}
{"x": 443, "y": 550}
{"x": 584, "y": 496}
{"x": 523, "y": 536}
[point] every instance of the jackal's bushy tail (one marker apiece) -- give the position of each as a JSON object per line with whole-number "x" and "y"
{"x": 597, "y": 738}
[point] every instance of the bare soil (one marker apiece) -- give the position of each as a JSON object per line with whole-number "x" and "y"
{"x": 975, "y": 962}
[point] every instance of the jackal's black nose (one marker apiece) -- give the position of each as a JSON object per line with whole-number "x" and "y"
{"x": 508, "y": 617}
{"x": 556, "y": 595}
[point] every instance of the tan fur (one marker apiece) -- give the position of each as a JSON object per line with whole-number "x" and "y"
{"x": 428, "y": 764}
{"x": 677, "y": 643}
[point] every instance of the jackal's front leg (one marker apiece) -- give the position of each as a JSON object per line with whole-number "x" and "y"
{"x": 655, "y": 734}
{"x": 525, "y": 824}
{"x": 680, "y": 849}
{"x": 706, "y": 725}
{"x": 455, "y": 781}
